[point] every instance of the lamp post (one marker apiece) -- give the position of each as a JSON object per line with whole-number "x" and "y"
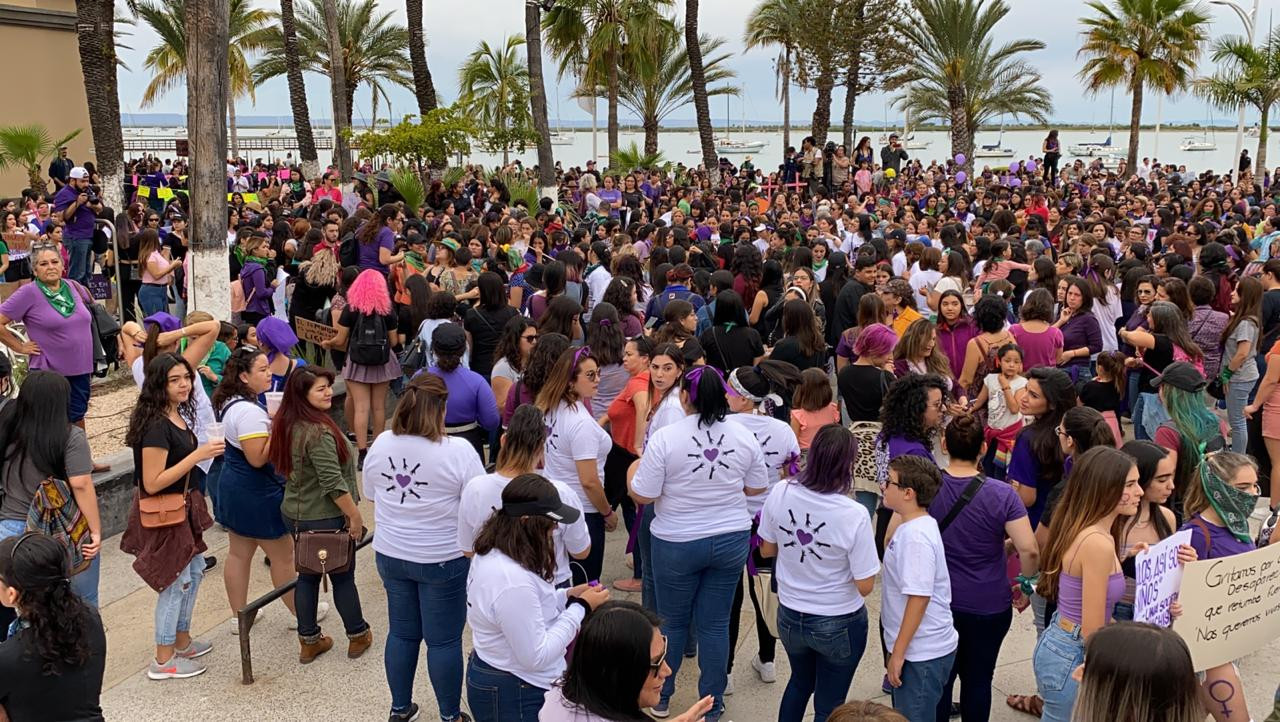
{"x": 1250, "y": 22}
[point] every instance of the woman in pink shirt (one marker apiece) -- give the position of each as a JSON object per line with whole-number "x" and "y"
{"x": 1040, "y": 340}
{"x": 329, "y": 189}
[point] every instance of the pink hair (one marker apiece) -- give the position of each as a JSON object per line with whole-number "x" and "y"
{"x": 875, "y": 340}
{"x": 368, "y": 293}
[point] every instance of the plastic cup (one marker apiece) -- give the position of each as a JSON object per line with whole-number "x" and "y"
{"x": 273, "y": 401}
{"x": 213, "y": 430}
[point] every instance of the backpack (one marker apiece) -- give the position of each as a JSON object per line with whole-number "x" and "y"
{"x": 1180, "y": 355}
{"x": 349, "y": 250}
{"x": 659, "y": 305}
{"x": 865, "y": 474}
{"x": 415, "y": 355}
{"x": 368, "y": 346}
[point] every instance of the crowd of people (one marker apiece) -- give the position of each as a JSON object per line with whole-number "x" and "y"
{"x": 985, "y": 389}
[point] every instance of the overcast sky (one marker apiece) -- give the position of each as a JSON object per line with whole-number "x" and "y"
{"x": 454, "y": 29}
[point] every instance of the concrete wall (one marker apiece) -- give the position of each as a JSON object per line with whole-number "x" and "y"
{"x": 38, "y": 42}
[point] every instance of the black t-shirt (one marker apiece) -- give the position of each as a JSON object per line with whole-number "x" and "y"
{"x": 1100, "y": 395}
{"x": 179, "y": 442}
{"x": 485, "y": 328}
{"x": 307, "y": 299}
{"x": 350, "y": 315}
{"x": 727, "y": 350}
{"x": 1157, "y": 358}
{"x": 788, "y": 349}
{"x": 71, "y": 695}
{"x": 863, "y": 388}
{"x": 1270, "y": 320}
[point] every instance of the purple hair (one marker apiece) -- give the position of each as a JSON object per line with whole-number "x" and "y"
{"x": 875, "y": 340}
{"x": 829, "y": 467}
{"x": 276, "y": 337}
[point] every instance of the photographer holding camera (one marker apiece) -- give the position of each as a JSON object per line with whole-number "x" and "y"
{"x": 77, "y": 204}
{"x": 892, "y": 155}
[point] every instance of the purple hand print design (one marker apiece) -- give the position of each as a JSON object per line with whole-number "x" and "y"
{"x": 402, "y": 480}
{"x": 804, "y": 536}
{"x": 710, "y": 454}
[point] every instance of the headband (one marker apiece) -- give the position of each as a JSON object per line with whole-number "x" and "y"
{"x": 694, "y": 376}
{"x": 583, "y": 351}
{"x": 736, "y": 385}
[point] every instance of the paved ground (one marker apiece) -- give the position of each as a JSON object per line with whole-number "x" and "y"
{"x": 337, "y": 688}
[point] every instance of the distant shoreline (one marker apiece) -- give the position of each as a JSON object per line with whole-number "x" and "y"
{"x": 800, "y": 129}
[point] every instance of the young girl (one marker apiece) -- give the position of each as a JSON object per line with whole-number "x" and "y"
{"x": 1106, "y": 390}
{"x": 813, "y": 406}
{"x": 1002, "y": 394}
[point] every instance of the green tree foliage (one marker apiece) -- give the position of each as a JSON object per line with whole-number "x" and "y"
{"x": 1248, "y": 76}
{"x": 441, "y": 133}
{"x": 493, "y": 87}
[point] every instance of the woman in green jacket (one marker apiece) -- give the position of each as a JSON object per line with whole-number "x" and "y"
{"x": 311, "y": 452}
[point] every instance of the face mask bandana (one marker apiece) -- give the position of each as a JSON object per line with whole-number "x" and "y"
{"x": 1232, "y": 504}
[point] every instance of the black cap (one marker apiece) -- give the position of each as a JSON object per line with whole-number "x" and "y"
{"x": 898, "y": 233}
{"x": 548, "y": 505}
{"x": 449, "y": 339}
{"x": 1181, "y": 375}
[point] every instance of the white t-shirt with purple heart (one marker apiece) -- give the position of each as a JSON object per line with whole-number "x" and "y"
{"x": 573, "y": 436}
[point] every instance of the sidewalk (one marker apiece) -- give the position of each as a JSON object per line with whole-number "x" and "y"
{"x": 335, "y": 687}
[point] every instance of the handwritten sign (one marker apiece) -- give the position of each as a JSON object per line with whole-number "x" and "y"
{"x": 1158, "y": 576}
{"x": 1230, "y": 606}
{"x": 316, "y": 333}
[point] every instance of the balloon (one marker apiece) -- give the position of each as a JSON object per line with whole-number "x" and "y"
{"x": 1029, "y": 166}
{"x": 890, "y": 173}
{"x": 960, "y": 159}
{"x": 961, "y": 177}
{"x": 1013, "y": 166}
{"x": 1015, "y": 182}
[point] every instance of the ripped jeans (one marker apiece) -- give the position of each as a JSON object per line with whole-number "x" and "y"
{"x": 177, "y": 601}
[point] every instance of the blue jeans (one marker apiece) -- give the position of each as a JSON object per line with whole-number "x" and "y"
{"x": 153, "y": 298}
{"x": 81, "y": 252}
{"x": 694, "y": 582}
{"x": 497, "y": 696}
{"x": 346, "y": 597}
{"x": 177, "y": 601}
{"x": 84, "y": 584}
{"x": 869, "y": 501}
{"x": 1057, "y": 655}
{"x": 1238, "y": 393}
{"x": 922, "y": 683}
{"x": 644, "y": 545}
{"x": 425, "y": 602}
{"x": 824, "y": 653}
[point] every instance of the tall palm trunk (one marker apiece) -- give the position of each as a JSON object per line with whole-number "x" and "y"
{"x": 1260, "y": 161}
{"x": 538, "y": 97}
{"x": 95, "y": 37}
{"x": 231, "y": 128}
{"x": 342, "y": 96}
{"x": 698, "y": 77}
{"x": 822, "y": 109}
{"x": 612, "y": 92}
{"x": 207, "y": 92}
{"x": 961, "y": 131}
{"x": 650, "y": 135}
{"x": 298, "y": 93}
{"x": 1135, "y": 122}
{"x": 850, "y": 99}
{"x": 786, "y": 97}
{"x": 424, "y": 88}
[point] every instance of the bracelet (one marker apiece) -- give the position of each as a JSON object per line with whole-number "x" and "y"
{"x": 1027, "y": 584}
{"x": 1227, "y": 373}
{"x": 607, "y": 515}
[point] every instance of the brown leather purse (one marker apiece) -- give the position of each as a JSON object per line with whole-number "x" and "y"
{"x": 321, "y": 552}
{"x": 157, "y": 511}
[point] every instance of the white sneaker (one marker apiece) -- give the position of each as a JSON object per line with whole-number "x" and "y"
{"x": 728, "y": 685}
{"x": 322, "y": 611}
{"x": 765, "y": 669}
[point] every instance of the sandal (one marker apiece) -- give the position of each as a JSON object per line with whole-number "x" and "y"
{"x": 1026, "y": 703}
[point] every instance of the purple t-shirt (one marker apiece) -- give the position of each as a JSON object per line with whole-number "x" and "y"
{"x": 81, "y": 224}
{"x": 1081, "y": 331}
{"x": 975, "y": 543}
{"x": 369, "y": 252}
{"x": 1024, "y": 468}
{"x": 1038, "y": 349}
{"x": 954, "y": 340}
{"x": 66, "y": 344}
{"x": 1220, "y": 542}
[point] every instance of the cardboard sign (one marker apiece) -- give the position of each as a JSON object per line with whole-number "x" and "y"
{"x": 1158, "y": 577}
{"x": 1230, "y": 606}
{"x": 316, "y": 333}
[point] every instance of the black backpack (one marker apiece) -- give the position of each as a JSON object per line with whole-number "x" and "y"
{"x": 349, "y": 250}
{"x": 368, "y": 345}
{"x": 660, "y": 305}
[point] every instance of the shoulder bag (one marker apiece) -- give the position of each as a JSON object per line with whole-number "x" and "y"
{"x": 157, "y": 511}
{"x": 54, "y": 512}
{"x": 966, "y": 496}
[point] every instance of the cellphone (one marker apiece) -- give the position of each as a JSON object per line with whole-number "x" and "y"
{"x": 649, "y": 324}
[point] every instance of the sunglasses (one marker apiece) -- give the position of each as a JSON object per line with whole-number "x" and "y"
{"x": 531, "y": 338}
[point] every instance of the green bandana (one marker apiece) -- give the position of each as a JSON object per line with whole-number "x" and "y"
{"x": 61, "y": 300}
{"x": 264, "y": 262}
{"x": 415, "y": 260}
{"x": 819, "y": 265}
{"x": 1232, "y": 504}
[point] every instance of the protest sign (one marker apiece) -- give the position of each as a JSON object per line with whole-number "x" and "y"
{"x": 1158, "y": 577}
{"x": 316, "y": 333}
{"x": 1230, "y": 606}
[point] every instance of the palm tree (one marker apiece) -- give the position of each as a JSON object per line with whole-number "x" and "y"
{"x": 632, "y": 158}
{"x": 95, "y": 30}
{"x": 298, "y": 92}
{"x": 423, "y": 87}
{"x": 493, "y": 89}
{"x": 1138, "y": 43}
{"x": 538, "y": 97}
{"x": 208, "y": 90}
{"x": 1250, "y": 76}
{"x": 592, "y": 39}
{"x": 962, "y": 77}
{"x": 167, "y": 60}
{"x": 374, "y": 48}
{"x": 773, "y": 22}
{"x": 29, "y": 147}
{"x": 652, "y": 96}
{"x": 698, "y": 79}
{"x": 342, "y": 100}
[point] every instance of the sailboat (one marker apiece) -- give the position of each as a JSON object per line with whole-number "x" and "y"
{"x": 995, "y": 150}
{"x": 1203, "y": 144}
{"x": 558, "y": 136}
{"x": 727, "y": 145}
{"x": 1093, "y": 149}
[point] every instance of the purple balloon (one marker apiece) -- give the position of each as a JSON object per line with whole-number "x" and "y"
{"x": 960, "y": 159}
{"x": 1029, "y": 166}
{"x": 1013, "y": 166}
{"x": 961, "y": 177}
{"x": 1015, "y": 182}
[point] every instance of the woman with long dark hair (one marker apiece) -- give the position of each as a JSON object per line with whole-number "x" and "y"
{"x": 520, "y": 623}
{"x": 701, "y": 461}
{"x": 170, "y": 559}
{"x": 519, "y": 336}
{"x": 563, "y": 316}
{"x": 604, "y": 337}
{"x": 1153, "y": 522}
{"x": 731, "y": 342}
{"x": 484, "y": 322}
{"x": 1158, "y": 685}
{"x": 321, "y": 494}
{"x": 549, "y": 348}
{"x": 802, "y": 344}
{"x": 1035, "y": 463}
{"x": 53, "y": 664}
{"x": 377, "y": 239}
{"x": 617, "y": 670}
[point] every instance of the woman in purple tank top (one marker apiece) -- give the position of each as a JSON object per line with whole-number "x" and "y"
{"x": 1081, "y": 570}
